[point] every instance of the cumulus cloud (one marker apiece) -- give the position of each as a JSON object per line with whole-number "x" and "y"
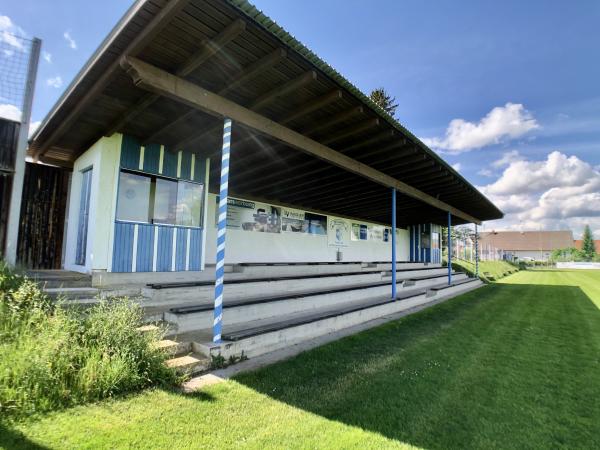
{"x": 47, "y": 57}
{"x": 70, "y": 41}
{"x": 9, "y": 34}
{"x": 33, "y": 127}
{"x": 10, "y": 112}
{"x": 485, "y": 173}
{"x": 559, "y": 192}
{"x": 501, "y": 124}
{"x": 54, "y": 82}
{"x": 457, "y": 166}
{"x": 507, "y": 158}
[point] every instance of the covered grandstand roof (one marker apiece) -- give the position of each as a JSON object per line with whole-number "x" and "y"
{"x": 229, "y": 48}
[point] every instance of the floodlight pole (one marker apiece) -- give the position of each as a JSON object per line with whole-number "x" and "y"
{"x": 14, "y": 213}
{"x": 221, "y": 231}
{"x": 449, "y": 248}
{"x": 393, "y": 244}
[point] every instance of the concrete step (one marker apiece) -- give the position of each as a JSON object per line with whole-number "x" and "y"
{"x": 174, "y": 348}
{"x": 236, "y": 311}
{"x": 60, "y": 278}
{"x": 191, "y": 364}
{"x": 90, "y": 295}
{"x": 259, "y": 337}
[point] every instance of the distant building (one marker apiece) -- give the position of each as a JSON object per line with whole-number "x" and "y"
{"x": 578, "y": 244}
{"x": 537, "y": 245}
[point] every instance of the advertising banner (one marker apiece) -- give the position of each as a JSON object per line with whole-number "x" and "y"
{"x": 297, "y": 221}
{"x": 374, "y": 233}
{"x": 253, "y": 216}
{"x": 338, "y": 232}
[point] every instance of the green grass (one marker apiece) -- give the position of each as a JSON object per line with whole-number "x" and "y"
{"x": 515, "y": 364}
{"x": 488, "y": 270}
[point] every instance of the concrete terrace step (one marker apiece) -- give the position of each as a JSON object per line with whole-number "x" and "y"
{"x": 60, "y": 278}
{"x": 241, "y": 289}
{"x": 196, "y": 307}
{"x": 368, "y": 271}
{"x": 190, "y": 317}
{"x": 174, "y": 348}
{"x": 258, "y": 337}
{"x": 189, "y": 364}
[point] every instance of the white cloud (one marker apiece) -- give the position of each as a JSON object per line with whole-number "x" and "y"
{"x": 10, "y": 112}
{"x": 70, "y": 40}
{"x": 33, "y": 126}
{"x": 54, "y": 82}
{"x": 560, "y": 192}
{"x": 485, "y": 173}
{"x": 500, "y": 124}
{"x": 10, "y": 34}
{"x": 457, "y": 166}
{"x": 507, "y": 158}
{"x": 47, "y": 57}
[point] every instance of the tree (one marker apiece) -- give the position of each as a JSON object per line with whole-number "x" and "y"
{"x": 588, "y": 248}
{"x": 384, "y": 100}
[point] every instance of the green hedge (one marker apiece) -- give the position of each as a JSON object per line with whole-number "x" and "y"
{"x": 52, "y": 357}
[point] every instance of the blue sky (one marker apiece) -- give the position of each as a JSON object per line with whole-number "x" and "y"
{"x": 506, "y": 91}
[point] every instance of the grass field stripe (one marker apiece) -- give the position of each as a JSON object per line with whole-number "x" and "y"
{"x": 222, "y": 232}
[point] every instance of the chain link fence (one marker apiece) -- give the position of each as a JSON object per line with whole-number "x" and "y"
{"x": 15, "y": 54}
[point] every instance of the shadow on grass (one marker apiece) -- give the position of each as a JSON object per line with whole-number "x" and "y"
{"x": 13, "y": 439}
{"x": 505, "y": 366}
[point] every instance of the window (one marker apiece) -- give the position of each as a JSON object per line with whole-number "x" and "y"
{"x": 133, "y": 203}
{"x": 189, "y": 203}
{"x": 165, "y": 201}
{"x": 150, "y": 199}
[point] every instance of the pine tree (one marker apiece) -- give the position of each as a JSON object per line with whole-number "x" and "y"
{"x": 588, "y": 248}
{"x": 384, "y": 100}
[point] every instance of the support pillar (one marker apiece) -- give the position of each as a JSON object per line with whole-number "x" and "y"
{"x": 450, "y": 248}
{"x": 14, "y": 213}
{"x": 221, "y": 231}
{"x": 476, "y": 252}
{"x": 394, "y": 244}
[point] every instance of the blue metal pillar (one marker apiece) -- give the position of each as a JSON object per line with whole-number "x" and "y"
{"x": 393, "y": 244}
{"x": 449, "y": 248}
{"x": 221, "y": 231}
{"x": 476, "y": 252}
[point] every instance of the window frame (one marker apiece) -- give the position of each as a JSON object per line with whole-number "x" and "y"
{"x": 153, "y": 177}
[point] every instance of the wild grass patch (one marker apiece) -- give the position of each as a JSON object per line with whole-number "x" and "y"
{"x": 53, "y": 357}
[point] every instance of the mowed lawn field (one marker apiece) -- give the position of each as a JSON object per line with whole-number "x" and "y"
{"x": 515, "y": 364}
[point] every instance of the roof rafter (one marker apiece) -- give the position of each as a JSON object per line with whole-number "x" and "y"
{"x": 245, "y": 74}
{"x": 151, "y": 78}
{"x": 207, "y": 49}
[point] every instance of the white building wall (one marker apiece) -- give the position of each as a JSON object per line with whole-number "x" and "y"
{"x": 103, "y": 158}
{"x": 249, "y": 246}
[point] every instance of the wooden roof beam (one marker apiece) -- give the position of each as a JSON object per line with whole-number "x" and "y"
{"x": 207, "y": 48}
{"x": 372, "y": 140}
{"x": 245, "y": 74}
{"x": 149, "y": 32}
{"x": 333, "y": 120}
{"x": 151, "y": 78}
{"x": 284, "y": 89}
{"x": 312, "y": 105}
{"x": 350, "y": 131}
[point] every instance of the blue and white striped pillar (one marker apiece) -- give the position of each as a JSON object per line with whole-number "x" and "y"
{"x": 222, "y": 231}
{"x": 476, "y": 252}
{"x": 449, "y": 248}
{"x": 393, "y": 244}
